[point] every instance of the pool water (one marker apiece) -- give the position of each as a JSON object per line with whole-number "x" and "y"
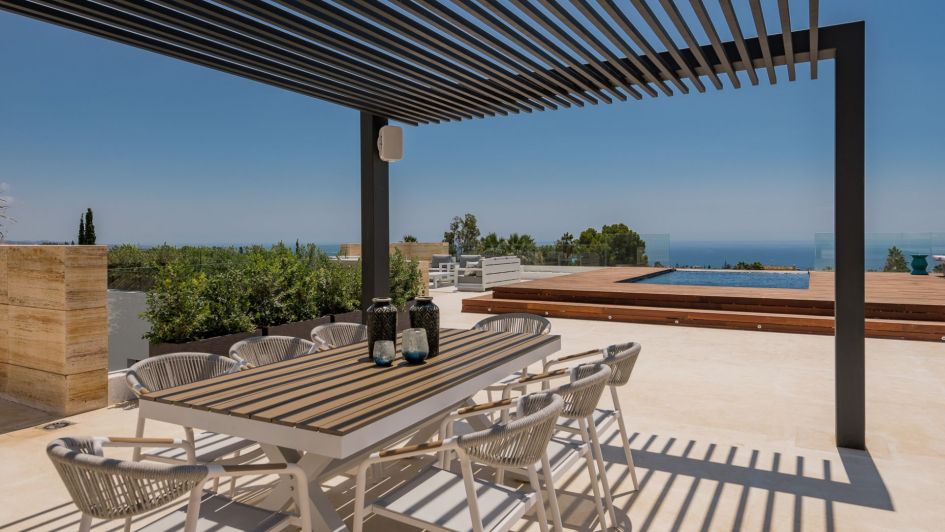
{"x": 747, "y": 279}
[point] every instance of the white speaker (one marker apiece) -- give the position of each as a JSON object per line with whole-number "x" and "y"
{"x": 390, "y": 143}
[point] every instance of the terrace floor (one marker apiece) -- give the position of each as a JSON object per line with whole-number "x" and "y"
{"x": 898, "y": 305}
{"x": 732, "y": 430}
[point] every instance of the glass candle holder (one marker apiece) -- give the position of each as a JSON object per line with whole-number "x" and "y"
{"x": 415, "y": 346}
{"x": 384, "y": 353}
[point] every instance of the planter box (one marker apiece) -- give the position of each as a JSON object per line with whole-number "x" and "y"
{"x": 218, "y": 345}
{"x": 299, "y": 329}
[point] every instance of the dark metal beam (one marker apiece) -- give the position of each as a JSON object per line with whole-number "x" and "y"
{"x": 849, "y": 213}
{"x": 759, "y": 17}
{"x": 375, "y": 213}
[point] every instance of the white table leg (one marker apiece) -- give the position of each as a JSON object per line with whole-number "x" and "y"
{"x": 324, "y": 516}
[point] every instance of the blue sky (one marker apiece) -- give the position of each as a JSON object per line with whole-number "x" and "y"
{"x": 167, "y": 151}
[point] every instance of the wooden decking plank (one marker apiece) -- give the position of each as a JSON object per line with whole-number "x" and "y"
{"x": 356, "y": 420}
{"x": 355, "y": 367}
{"x": 346, "y": 418}
{"x": 210, "y": 396}
{"x": 350, "y": 390}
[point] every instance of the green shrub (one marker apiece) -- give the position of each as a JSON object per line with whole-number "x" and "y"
{"x": 405, "y": 279}
{"x": 339, "y": 286}
{"x": 204, "y": 292}
{"x": 177, "y": 309}
{"x": 225, "y": 294}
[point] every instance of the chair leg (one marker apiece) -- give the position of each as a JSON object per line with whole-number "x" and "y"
{"x": 622, "y": 425}
{"x": 471, "y": 501}
{"x": 552, "y": 495}
{"x": 127, "y": 527}
{"x": 139, "y": 433}
{"x": 85, "y": 524}
{"x": 360, "y": 488}
{"x": 592, "y": 472}
{"x": 539, "y": 500}
{"x": 193, "y": 509}
{"x": 602, "y": 469}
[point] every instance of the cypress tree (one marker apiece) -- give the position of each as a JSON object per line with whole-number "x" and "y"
{"x": 81, "y": 231}
{"x": 89, "y": 228}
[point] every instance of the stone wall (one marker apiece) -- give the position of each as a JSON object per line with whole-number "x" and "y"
{"x": 411, "y": 250}
{"x": 54, "y": 327}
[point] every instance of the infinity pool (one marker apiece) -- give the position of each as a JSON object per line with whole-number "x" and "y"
{"x": 747, "y": 279}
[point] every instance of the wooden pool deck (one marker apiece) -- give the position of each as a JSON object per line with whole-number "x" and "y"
{"x": 897, "y": 305}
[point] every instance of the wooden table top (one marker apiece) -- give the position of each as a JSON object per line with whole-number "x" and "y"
{"x": 340, "y": 390}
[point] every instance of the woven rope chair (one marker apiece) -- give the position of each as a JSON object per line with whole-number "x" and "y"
{"x": 515, "y": 322}
{"x": 106, "y": 488}
{"x": 621, "y": 358}
{"x": 339, "y": 334}
{"x": 580, "y": 395}
{"x": 262, "y": 350}
{"x": 431, "y": 498}
{"x": 176, "y": 369}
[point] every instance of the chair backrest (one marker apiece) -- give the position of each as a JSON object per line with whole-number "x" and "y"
{"x": 515, "y": 322}
{"x": 466, "y": 259}
{"x": 582, "y": 394}
{"x": 262, "y": 350}
{"x": 438, "y": 260}
{"x": 176, "y": 369}
{"x": 621, "y": 358}
{"x": 340, "y": 334}
{"x": 521, "y": 441}
{"x": 106, "y": 488}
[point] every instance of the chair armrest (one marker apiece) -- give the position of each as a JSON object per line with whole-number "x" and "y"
{"x": 242, "y": 361}
{"x": 531, "y": 379}
{"x": 142, "y": 443}
{"x": 571, "y": 358}
{"x": 407, "y": 451}
{"x": 136, "y": 387}
{"x": 468, "y": 411}
{"x": 122, "y": 441}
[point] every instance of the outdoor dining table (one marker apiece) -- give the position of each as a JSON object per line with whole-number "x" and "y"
{"x": 328, "y": 410}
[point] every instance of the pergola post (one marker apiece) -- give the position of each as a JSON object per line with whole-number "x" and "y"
{"x": 849, "y": 224}
{"x": 375, "y": 213}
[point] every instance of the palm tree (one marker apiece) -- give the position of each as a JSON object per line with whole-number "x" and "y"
{"x": 565, "y": 246}
{"x": 492, "y": 245}
{"x": 521, "y": 245}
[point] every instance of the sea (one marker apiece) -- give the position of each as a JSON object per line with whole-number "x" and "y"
{"x": 814, "y": 254}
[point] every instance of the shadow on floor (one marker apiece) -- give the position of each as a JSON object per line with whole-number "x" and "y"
{"x": 684, "y": 484}
{"x": 14, "y": 416}
{"x": 816, "y": 484}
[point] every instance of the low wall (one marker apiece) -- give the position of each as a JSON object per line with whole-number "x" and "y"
{"x": 54, "y": 327}
{"x": 410, "y": 250}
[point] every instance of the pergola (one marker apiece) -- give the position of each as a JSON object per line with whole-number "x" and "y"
{"x": 431, "y": 61}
